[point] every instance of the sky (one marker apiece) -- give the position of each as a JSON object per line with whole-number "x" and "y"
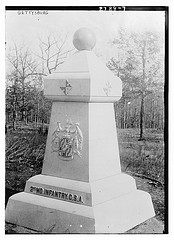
{"x": 27, "y": 28}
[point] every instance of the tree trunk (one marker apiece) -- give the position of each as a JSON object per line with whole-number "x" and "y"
{"x": 42, "y": 126}
{"x": 37, "y": 114}
{"x": 141, "y": 117}
{"x": 14, "y": 109}
{"x": 14, "y": 120}
{"x": 26, "y": 117}
{"x": 7, "y": 117}
{"x": 35, "y": 120}
{"x": 142, "y": 93}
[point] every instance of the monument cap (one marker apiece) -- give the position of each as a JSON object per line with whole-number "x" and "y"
{"x": 82, "y": 77}
{"x": 84, "y": 39}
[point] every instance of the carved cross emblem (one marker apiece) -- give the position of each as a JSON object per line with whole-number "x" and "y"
{"x": 67, "y": 88}
{"x": 107, "y": 89}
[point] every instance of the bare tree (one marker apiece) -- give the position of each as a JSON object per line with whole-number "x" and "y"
{"x": 53, "y": 52}
{"x": 23, "y": 73}
{"x": 140, "y": 66}
{"x": 12, "y": 94}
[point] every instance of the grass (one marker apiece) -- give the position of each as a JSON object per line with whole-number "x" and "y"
{"x": 144, "y": 160}
{"x": 24, "y": 157}
{"x": 142, "y": 157}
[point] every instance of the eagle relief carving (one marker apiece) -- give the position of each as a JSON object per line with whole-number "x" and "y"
{"x": 67, "y": 140}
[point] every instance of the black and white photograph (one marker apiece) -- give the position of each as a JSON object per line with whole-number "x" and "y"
{"x": 86, "y": 120}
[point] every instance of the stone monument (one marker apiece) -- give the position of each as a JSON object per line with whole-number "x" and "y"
{"x": 81, "y": 188}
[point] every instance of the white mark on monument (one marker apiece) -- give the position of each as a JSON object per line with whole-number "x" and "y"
{"x": 67, "y": 140}
{"x": 67, "y": 88}
{"x": 107, "y": 89}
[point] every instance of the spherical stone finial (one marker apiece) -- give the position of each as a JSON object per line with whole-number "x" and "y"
{"x": 84, "y": 39}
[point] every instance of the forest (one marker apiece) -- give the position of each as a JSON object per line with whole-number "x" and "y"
{"x": 138, "y": 60}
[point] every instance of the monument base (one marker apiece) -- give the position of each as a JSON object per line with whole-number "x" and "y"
{"x": 48, "y": 215}
{"x": 112, "y": 209}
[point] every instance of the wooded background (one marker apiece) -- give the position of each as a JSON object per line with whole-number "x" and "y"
{"x": 138, "y": 59}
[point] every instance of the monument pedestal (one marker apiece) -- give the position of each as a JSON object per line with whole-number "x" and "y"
{"x": 110, "y": 205}
{"x": 81, "y": 188}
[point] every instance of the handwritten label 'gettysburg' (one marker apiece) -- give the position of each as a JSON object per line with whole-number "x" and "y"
{"x": 57, "y": 194}
{"x": 32, "y": 12}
